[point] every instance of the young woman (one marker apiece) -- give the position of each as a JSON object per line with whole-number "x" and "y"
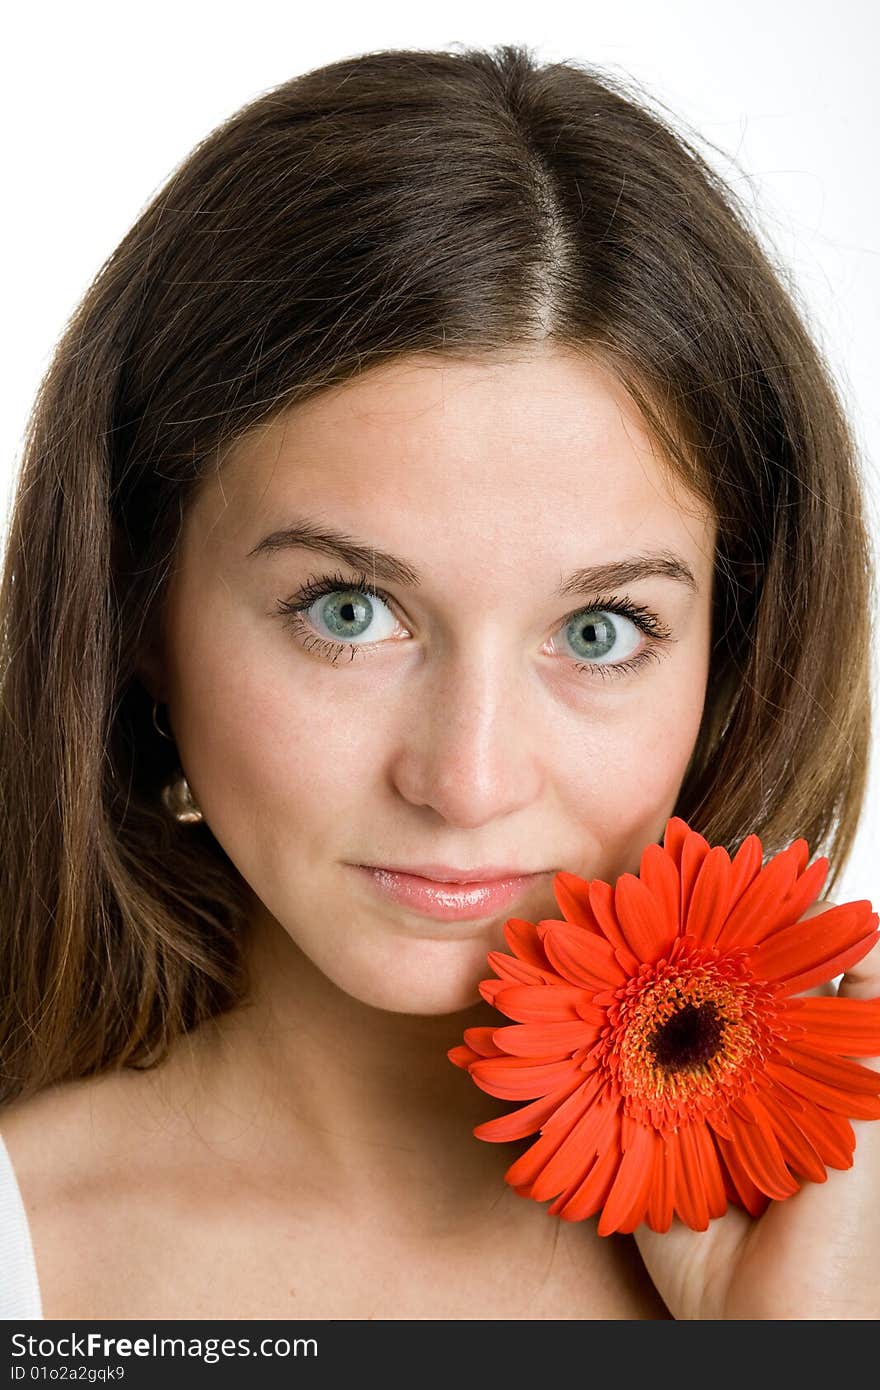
{"x": 437, "y": 484}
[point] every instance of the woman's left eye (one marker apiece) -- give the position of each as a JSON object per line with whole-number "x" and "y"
{"x": 352, "y": 609}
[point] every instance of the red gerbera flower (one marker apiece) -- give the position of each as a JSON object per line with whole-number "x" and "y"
{"x": 670, "y": 1064}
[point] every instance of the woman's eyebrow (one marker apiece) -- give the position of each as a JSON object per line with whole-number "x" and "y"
{"x": 379, "y": 564}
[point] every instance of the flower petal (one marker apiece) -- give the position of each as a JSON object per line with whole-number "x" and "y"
{"x": 759, "y": 1151}
{"x": 835, "y": 1024}
{"x": 586, "y": 1197}
{"x": 462, "y": 1055}
{"x": 829, "y": 1097}
{"x": 627, "y": 1200}
{"x": 518, "y": 971}
{"x": 691, "y": 1200}
{"x": 710, "y": 898}
{"x": 837, "y": 1071}
{"x": 674, "y": 836}
{"x": 573, "y": 896}
{"x": 660, "y": 876}
{"x": 757, "y": 912}
{"x": 480, "y": 1039}
{"x": 750, "y": 1195}
{"x": 661, "y": 1202}
{"x": 526, "y": 1169}
{"x": 820, "y": 974}
{"x": 526, "y": 1119}
{"x": 693, "y": 852}
{"x": 804, "y": 893}
{"x": 518, "y": 1078}
{"x": 797, "y": 1148}
{"x": 645, "y": 930}
{"x": 813, "y": 945}
{"x": 539, "y": 1003}
{"x": 525, "y": 943}
{"x": 575, "y": 1156}
{"x": 745, "y": 867}
{"x": 831, "y": 1135}
{"x": 546, "y": 1040}
{"x": 605, "y": 913}
{"x": 580, "y": 957}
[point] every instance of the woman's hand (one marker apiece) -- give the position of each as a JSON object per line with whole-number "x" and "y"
{"x": 813, "y": 1255}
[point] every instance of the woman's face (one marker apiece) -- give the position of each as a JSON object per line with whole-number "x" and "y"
{"x": 478, "y": 712}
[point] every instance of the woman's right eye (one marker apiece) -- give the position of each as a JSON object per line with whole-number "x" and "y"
{"x": 346, "y": 614}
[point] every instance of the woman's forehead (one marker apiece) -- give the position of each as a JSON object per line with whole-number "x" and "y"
{"x": 546, "y": 442}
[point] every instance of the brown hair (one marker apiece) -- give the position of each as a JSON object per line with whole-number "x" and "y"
{"x": 392, "y": 203}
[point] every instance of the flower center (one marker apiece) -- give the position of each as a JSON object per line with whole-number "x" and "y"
{"x": 686, "y": 1034}
{"x": 689, "y": 1038}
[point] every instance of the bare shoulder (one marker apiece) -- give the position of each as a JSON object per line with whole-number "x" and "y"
{"x": 89, "y": 1166}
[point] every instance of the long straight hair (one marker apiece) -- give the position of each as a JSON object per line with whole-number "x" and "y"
{"x": 396, "y": 202}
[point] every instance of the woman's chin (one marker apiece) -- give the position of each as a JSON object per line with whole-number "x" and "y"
{"x": 417, "y": 986}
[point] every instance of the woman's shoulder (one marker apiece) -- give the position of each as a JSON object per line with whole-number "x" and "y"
{"x": 68, "y": 1149}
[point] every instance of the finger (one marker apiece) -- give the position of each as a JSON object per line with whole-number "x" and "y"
{"x": 862, "y": 980}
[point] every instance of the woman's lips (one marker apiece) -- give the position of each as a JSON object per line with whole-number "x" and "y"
{"x": 451, "y": 902}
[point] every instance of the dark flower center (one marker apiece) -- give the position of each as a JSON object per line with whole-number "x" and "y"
{"x": 688, "y": 1039}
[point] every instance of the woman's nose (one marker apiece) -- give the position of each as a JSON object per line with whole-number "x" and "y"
{"x": 472, "y": 749}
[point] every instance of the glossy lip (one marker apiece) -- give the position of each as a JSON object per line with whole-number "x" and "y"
{"x": 451, "y": 901}
{"x": 447, "y": 873}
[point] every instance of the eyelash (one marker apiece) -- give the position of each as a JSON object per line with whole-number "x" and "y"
{"x": 317, "y": 586}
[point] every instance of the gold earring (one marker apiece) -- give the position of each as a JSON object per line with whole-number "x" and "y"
{"x": 179, "y": 800}
{"x": 177, "y": 796}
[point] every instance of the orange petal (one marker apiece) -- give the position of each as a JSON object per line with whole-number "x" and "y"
{"x": 745, "y": 867}
{"x": 693, "y": 852}
{"x": 489, "y": 988}
{"x": 830, "y": 1135}
{"x": 660, "y": 877}
{"x": 524, "y": 1170}
{"x": 627, "y": 1199}
{"x": 480, "y": 1039}
{"x": 573, "y": 896}
{"x": 546, "y": 1040}
{"x": 798, "y": 1150}
{"x": 575, "y": 1156}
{"x": 808, "y": 946}
{"x": 837, "y": 1071}
{"x": 804, "y": 893}
{"x": 586, "y": 1198}
{"x": 581, "y": 958}
{"x": 710, "y": 898}
{"x": 647, "y": 933}
{"x": 758, "y": 910}
{"x": 539, "y": 1003}
{"x": 691, "y": 1200}
{"x": 751, "y": 1197}
{"x": 759, "y": 1152}
{"x": 820, "y": 974}
{"x": 515, "y": 970}
{"x": 710, "y": 1167}
{"x": 517, "y": 1078}
{"x": 822, "y": 1094}
{"x": 462, "y": 1055}
{"x": 527, "y": 1118}
{"x": 523, "y": 939}
{"x": 674, "y": 836}
{"x": 605, "y": 913}
{"x": 835, "y": 1024}
{"x": 661, "y": 1202}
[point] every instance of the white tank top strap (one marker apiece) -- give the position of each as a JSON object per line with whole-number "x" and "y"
{"x": 19, "y": 1285}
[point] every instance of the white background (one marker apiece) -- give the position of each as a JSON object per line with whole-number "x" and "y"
{"x": 101, "y": 101}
